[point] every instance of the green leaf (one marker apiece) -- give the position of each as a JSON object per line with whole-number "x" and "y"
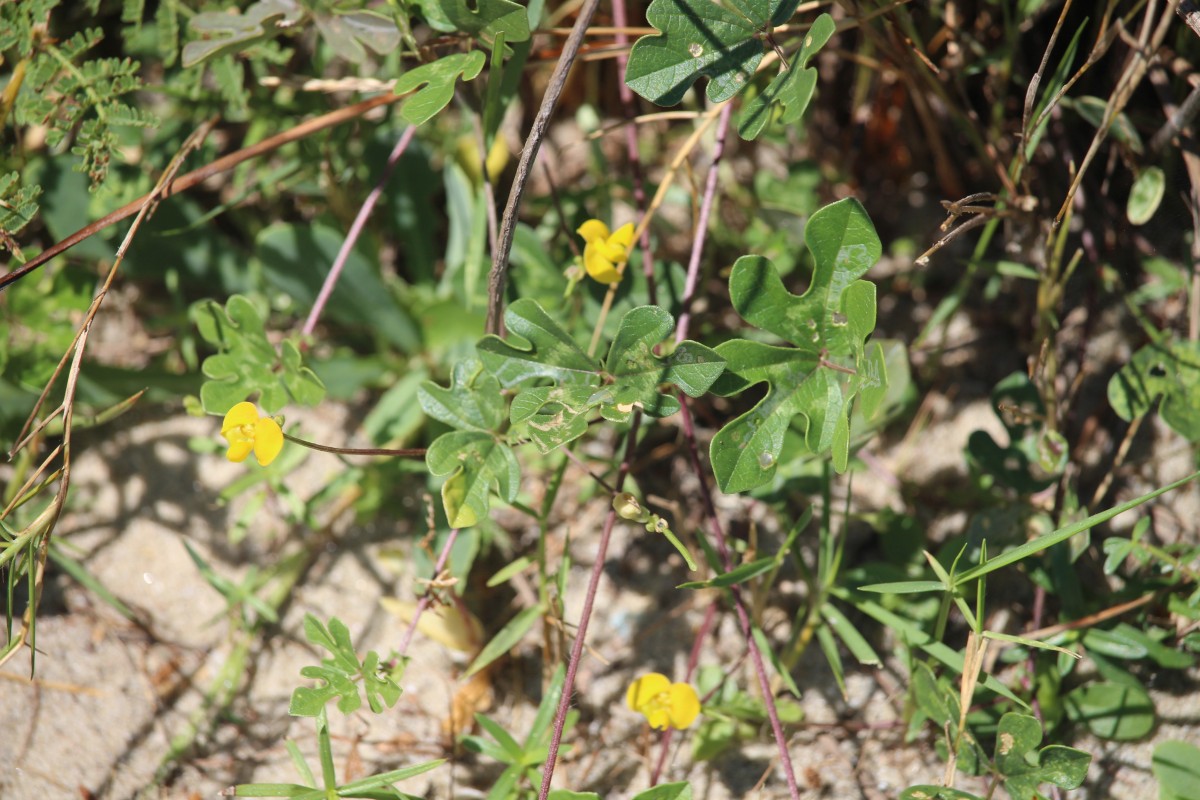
{"x": 434, "y": 84}
{"x": 350, "y": 33}
{"x": 817, "y": 378}
{"x": 791, "y": 89}
{"x": 740, "y": 574}
{"x": 1146, "y": 195}
{"x": 487, "y": 18}
{"x": 476, "y": 463}
{"x": 638, "y": 372}
{"x": 555, "y": 414}
{"x": 698, "y": 38}
{"x": 1176, "y": 765}
{"x": 1024, "y": 767}
{"x": 1117, "y": 711}
{"x": 927, "y": 792}
{"x": 270, "y": 790}
{"x": 567, "y": 794}
{"x": 632, "y": 371}
{"x": 667, "y": 791}
{"x": 386, "y": 778}
{"x": 552, "y": 353}
{"x": 472, "y": 403}
{"x": 1023, "y": 463}
{"x": 18, "y": 205}
{"x": 1120, "y": 128}
{"x": 1171, "y": 371}
{"x": 1062, "y": 534}
{"x": 233, "y": 32}
{"x": 505, "y": 640}
{"x": 246, "y": 362}
{"x": 904, "y": 587}
{"x": 855, "y": 642}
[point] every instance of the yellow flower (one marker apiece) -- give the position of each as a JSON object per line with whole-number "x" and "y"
{"x": 663, "y": 703}
{"x": 246, "y": 431}
{"x": 606, "y": 253}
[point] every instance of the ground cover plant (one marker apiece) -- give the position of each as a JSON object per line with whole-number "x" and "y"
{"x": 729, "y": 384}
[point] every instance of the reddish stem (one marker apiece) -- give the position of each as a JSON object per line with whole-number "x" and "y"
{"x": 427, "y": 597}
{"x": 693, "y": 660}
{"x": 689, "y": 434}
{"x": 560, "y": 716}
{"x": 706, "y": 204}
{"x": 355, "y": 231}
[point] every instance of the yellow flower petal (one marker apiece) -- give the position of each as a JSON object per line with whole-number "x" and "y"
{"x": 685, "y": 705}
{"x": 645, "y": 689}
{"x": 623, "y": 235}
{"x": 268, "y": 440}
{"x": 599, "y": 267}
{"x": 239, "y": 449}
{"x": 242, "y": 414}
{"x": 593, "y": 230}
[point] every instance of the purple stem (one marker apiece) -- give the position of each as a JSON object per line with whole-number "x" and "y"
{"x": 693, "y": 660}
{"x": 427, "y": 598}
{"x": 706, "y": 204}
{"x": 629, "y": 105}
{"x": 560, "y": 716}
{"x": 355, "y": 230}
{"x": 689, "y": 435}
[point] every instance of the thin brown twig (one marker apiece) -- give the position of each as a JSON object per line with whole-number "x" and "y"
{"x": 48, "y": 519}
{"x": 198, "y": 176}
{"x": 404, "y": 452}
{"x": 498, "y": 277}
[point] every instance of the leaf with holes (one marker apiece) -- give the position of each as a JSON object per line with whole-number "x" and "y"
{"x": 631, "y": 374}
{"x": 637, "y": 371}
{"x": 433, "y": 84}
{"x": 1025, "y": 767}
{"x": 486, "y": 20}
{"x": 792, "y": 89}
{"x": 477, "y": 464}
{"x": 1035, "y": 455}
{"x": 699, "y": 37}
{"x": 829, "y": 363}
{"x": 472, "y": 402}
{"x": 1168, "y": 369}
{"x": 232, "y": 32}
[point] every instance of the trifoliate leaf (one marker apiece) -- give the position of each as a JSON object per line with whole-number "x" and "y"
{"x": 816, "y": 378}
{"x": 1025, "y": 768}
{"x": 698, "y": 38}
{"x": 791, "y": 89}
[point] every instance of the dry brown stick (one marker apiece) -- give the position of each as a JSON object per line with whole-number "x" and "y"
{"x": 48, "y": 519}
{"x": 498, "y": 277}
{"x": 1091, "y": 619}
{"x": 200, "y": 175}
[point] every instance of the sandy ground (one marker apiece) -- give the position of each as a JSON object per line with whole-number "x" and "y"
{"x": 110, "y": 696}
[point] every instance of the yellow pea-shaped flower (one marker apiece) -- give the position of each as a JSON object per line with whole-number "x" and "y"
{"x": 664, "y": 704}
{"x": 605, "y": 253}
{"x": 248, "y": 433}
